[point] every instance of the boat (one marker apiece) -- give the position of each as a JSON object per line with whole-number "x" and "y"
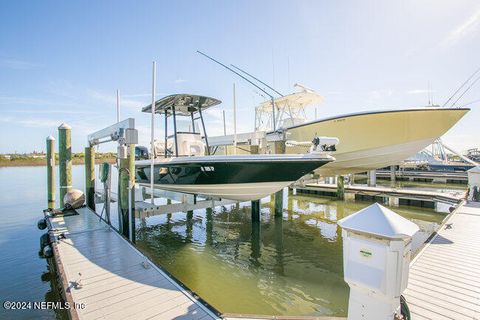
{"x": 183, "y": 163}
{"x": 368, "y": 140}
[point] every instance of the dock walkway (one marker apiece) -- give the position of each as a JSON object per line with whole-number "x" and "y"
{"x": 444, "y": 280}
{"x": 449, "y": 197}
{"x": 103, "y": 271}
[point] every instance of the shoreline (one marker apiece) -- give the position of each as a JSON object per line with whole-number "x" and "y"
{"x": 43, "y": 163}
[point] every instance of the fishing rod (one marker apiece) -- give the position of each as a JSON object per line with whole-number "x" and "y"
{"x": 460, "y": 88}
{"x": 244, "y": 78}
{"x": 255, "y": 78}
{"x": 466, "y": 90}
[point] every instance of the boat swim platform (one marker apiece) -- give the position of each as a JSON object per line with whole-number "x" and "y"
{"x": 444, "y": 280}
{"x": 102, "y": 271}
{"x": 404, "y": 196}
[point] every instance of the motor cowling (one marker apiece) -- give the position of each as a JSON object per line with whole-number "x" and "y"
{"x": 74, "y": 198}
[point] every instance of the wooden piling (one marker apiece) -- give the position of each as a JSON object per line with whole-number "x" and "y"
{"x": 279, "y": 149}
{"x": 256, "y": 211}
{"x": 51, "y": 172}
{"x": 341, "y": 187}
{"x": 90, "y": 177}
{"x": 372, "y": 178}
{"x": 65, "y": 160}
{"x": 392, "y": 176}
{"x": 126, "y": 183}
{"x": 279, "y": 203}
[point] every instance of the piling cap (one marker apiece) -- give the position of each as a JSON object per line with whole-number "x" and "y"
{"x": 379, "y": 221}
{"x": 50, "y": 137}
{"x": 64, "y": 126}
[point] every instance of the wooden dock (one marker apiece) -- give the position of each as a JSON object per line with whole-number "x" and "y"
{"x": 360, "y": 190}
{"x": 110, "y": 278}
{"x": 444, "y": 280}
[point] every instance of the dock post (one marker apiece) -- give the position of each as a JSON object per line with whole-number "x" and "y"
{"x": 372, "y": 178}
{"x": 279, "y": 149}
{"x": 51, "y": 172}
{"x": 255, "y": 211}
{"x": 392, "y": 176}
{"x": 90, "y": 177}
{"x": 279, "y": 203}
{"x": 65, "y": 159}
{"x": 126, "y": 192}
{"x": 341, "y": 187}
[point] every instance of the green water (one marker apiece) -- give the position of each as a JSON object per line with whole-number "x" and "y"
{"x": 283, "y": 266}
{"x": 291, "y": 265}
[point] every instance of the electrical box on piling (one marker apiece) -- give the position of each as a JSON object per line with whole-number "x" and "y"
{"x": 474, "y": 183}
{"x": 376, "y": 258}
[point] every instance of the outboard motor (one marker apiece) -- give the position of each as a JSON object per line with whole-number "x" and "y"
{"x": 74, "y": 199}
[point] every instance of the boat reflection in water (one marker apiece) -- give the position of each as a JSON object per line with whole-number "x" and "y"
{"x": 289, "y": 265}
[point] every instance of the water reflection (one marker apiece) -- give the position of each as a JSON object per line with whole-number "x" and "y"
{"x": 286, "y": 265}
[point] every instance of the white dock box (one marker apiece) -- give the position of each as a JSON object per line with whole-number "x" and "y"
{"x": 376, "y": 258}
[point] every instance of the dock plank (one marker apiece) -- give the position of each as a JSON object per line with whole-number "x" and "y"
{"x": 117, "y": 281}
{"x": 444, "y": 280}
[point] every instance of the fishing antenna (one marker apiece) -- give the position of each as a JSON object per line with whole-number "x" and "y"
{"x": 255, "y": 78}
{"x": 244, "y": 78}
{"x": 460, "y": 88}
{"x": 466, "y": 90}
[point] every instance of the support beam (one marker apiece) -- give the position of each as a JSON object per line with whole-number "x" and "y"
{"x": 341, "y": 188}
{"x": 51, "y": 172}
{"x": 65, "y": 160}
{"x": 90, "y": 177}
{"x": 126, "y": 194}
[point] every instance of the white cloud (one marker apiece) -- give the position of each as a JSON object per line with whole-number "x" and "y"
{"x": 467, "y": 28}
{"x": 111, "y": 99}
{"x": 16, "y": 64}
{"x": 420, "y": 91}
{"x": 180, "y": 80}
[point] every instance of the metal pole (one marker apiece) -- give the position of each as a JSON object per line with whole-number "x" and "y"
{"x": 131, "y": 193}
{"x": 118, "y": 106}
{"x": 234, "y": 121}
{"x": 152, "y": 144}
{"x": 90, "y": 177}
{"x": 175, "y": 129}
{"x": 224, "y": 124}
{"x": 204, "y": 131}
{"x": 65, "y": 160}
{"x": 166, "y": 133}
{"x": 273, "y": 115}
{"x": 51, "y": 172}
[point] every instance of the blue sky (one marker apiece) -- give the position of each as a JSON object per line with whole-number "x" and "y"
{"x": 62, "y": 61}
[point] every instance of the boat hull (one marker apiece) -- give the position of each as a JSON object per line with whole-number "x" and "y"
{"x": 241, "y": 178}
{"x": 374, "y": 140}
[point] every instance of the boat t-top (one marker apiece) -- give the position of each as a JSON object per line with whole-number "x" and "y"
{"x": 183, "y": 163}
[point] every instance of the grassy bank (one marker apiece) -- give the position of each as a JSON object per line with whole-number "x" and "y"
{"x": 28, "y": 161}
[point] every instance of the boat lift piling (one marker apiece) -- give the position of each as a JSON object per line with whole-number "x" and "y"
{"x": 126, "y": 135}
{"x": 51, "y": 172}
{"x": 341, "y": 188}
{"x": 65, "y": 160}
{"x": 90, "y": 177}
{"x": 279, "y": 149}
